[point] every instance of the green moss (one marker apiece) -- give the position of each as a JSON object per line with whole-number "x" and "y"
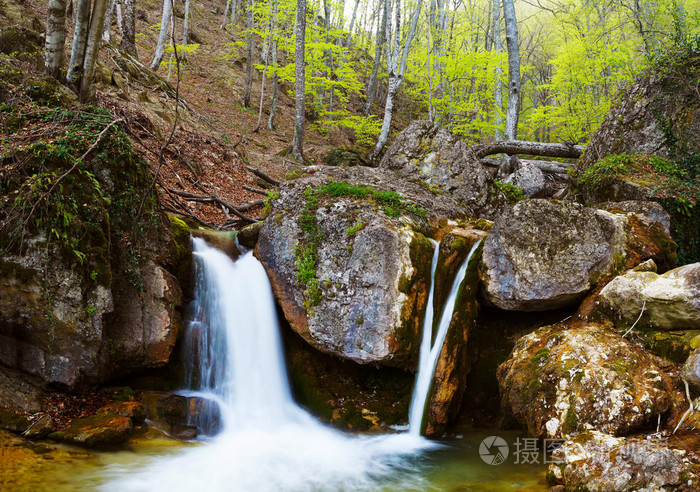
{"x": 513, "y": 193}
{"x": 571, "y": 421}
{"x": 539, "y": 355}
{"x": 23, "y": 274}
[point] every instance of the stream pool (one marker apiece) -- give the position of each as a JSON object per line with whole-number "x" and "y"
{"x": 455, "y": 466}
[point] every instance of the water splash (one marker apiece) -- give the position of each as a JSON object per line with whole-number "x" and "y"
{"x": 268, "y": 443}
{"x": 429, "y": 350}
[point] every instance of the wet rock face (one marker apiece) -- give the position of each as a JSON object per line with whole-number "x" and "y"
{"x": 594, "y": 462}
{"x": 98, "y": 431}
{"x": 543, "y": 255}
{"x": 363, "y": 296}
{"x": 559, "y": 381}
{"x": 660, "y": 302}
{"x": 442, "y": 161}
{"x": 691, "y": 369}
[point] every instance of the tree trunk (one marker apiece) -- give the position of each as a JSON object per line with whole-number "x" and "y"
{"x": 87, "y": 91}
{"x": 112, "y": 6}
{"x": 381, "y": 39}
{"x": 225, "y": 20}
{"x": 129, "y": 27}
{"x": 352, "y": 24}
{"x": 275, "y": 94}
{"x": 77, "y": 55}
{"x": 396, "y": 71}
{"x": 163, "y": 35}
{"x": 248, "y": 85}
{"x": 530, "y": 148}
{"x": 185, "y": 30}
{"x": 513, "y": 111}
{"x": 299, "y": 83}
{"x": 498, "y": 82}
{"x": 55, "y": 37}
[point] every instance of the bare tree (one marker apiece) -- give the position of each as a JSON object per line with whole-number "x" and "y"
{"x": 248, "y": 84}
{"x": 55, "y": 37}
{"x": 381, "y": 40}
{"x": 299, "y": 83}
{"x": 77, "y": 56}
{"x": 275, "y": 80}
{"x": 129, "y": 27}
{"x": 512, "y": 42}
{"x": 97, "y": 20}
{"x": 498, "y": 83}
{"x": 396, "y": 64}
{"x": 163, "y": 34}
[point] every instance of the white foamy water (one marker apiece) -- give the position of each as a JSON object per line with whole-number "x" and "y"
{"x": 267, "y": 443}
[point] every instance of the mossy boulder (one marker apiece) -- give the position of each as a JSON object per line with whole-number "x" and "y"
{"x": 97, "y": 431}
{"x": 12, "y": 421}
{"x": 561, "y": 380}
{"x": 654, "y": 302}
{"x": 544, "y": 255}
{"x": 597, "y": 462}
{"x": 347, "y": 264}
{"x": 85, "y": 288}
{"x": 442, "y": 162}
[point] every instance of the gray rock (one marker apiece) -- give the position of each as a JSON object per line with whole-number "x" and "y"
{"x": 529, "y": 178}
{"x": 442, "y": 161}
{"x": 691, "y": 369}
{"x": 561, "y": 380}
{"x": 665, "y": 302}
{"x": 544, "y": 255}
{"x": 596, "y": 462}
{"x": 371, "y": 270}
{"x": 647, "y": 211}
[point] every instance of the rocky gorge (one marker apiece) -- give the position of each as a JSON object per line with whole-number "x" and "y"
{"x": 95, "y": 299}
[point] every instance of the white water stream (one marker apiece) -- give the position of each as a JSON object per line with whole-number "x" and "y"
{"x": 268, "y": 443}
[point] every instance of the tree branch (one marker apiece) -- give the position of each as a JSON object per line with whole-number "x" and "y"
{"x": 566, "y": 150}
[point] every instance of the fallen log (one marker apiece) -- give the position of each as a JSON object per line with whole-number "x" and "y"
{"x": 510, "y": 147}
{"x": 545, "y": 166}
{"x": 264, "y": 176}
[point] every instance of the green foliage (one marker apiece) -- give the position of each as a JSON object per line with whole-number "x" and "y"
{"x": 357, "y": 227}
{"x": 267, "y": 202}
{"x": 513, "y": 193}
{"x": 604, "y": 172}
{"x": 59, "y": 191}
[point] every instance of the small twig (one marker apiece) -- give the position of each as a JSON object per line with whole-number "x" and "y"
{"x": 635, "y": 323}
{"x": 255, "y": 190}
{"x": 264, "y": 176}
{"x": 690, "y": 409}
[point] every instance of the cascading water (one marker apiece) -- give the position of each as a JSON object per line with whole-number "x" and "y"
{"x": 429, "y": 350}
{"x": 267, "y": 442}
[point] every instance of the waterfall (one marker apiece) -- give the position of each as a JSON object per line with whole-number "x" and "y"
{"x": 267, "y": 442}
{"x": 429, "y": 350}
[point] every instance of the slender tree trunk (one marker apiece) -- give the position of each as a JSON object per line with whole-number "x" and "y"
{"x": 299, "y": 83}
{"x": 381, "y": 40}
{"x": 185, "y": 30}
{"x": 329, "y": 52}
{"x": 248, "y": 85}
{"x": 498, "y": 82}
{"x": 77, "y": 55}
{"x": 55, "y": 38}
{"x": 512, "y": 42}
{"x": 163, "y": 35}
{"x": 396, "y": 71}
{"x": 129, "y": 27}
{"x": 112, "y": 6}
{"x": 225, "y": 19}
{"x": 352, "y": 24}
{"x": 97, "y": 21}
{"x": 275, "y": 94}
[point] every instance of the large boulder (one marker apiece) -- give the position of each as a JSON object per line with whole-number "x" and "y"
{"x": 596, "y": 462}
{"x": 659, "y": 115}
{"x": 85, "y": 294}
{"x": 561, "y": 380}
{"x": 653, "y": 302}
{"x": 347, "y": 265}
{"x": 442, "y": 161}
{"x": 544, "y": 255}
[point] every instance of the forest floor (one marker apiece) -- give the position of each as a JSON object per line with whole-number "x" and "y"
{"x": 213, "y": 141}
